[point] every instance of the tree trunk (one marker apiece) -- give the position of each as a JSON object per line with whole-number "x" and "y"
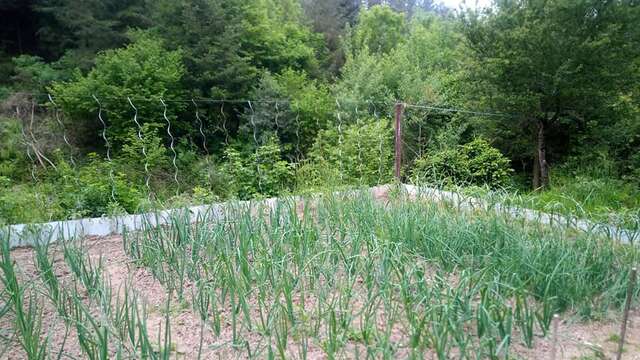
{"x": 540, "y": 166}
{"x": 536, "y": 170}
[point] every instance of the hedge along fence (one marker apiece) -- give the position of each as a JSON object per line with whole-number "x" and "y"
{"x": 24, "y": 235}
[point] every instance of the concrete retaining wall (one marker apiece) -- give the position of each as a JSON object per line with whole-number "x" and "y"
{"x": 27, "y": 235}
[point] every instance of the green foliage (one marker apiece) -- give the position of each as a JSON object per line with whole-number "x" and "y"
{"x": 25, "y": 203}
{"x": 475, "y": 163}
{"x": 32, "y": 73}
{"x": 13, "y": 162}
{"x": 257, "y": 173}
{"x": 360, "y": 154}
{"x": 147, "y": 151}
{"x": 415, "y": 70}
{"x": 420, "y": 69}
{"x": 215, "y": 61}
{"x": 94, "y": 197}
{"x": 307, "y": 108}
{"x": 581, "y": 192}
{"x": 143, "y": 71}
{"x": 274, "y": 33}
{"x": 583, "y": 60}
{"x": 379, "y": 30}
{"x": 81, "y": 29}
{"x": 231, "y": 42}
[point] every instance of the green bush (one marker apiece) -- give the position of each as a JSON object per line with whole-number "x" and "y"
{"x": 144, "y": 71}
{"x": 361, "y": 154}
{"x": 90, "y": 191}
{"x": 32, "y": 73}
{"x": 13, "y": 162}
{"x": 257, "y": 173}
{"x": 29, "y": 203}
{"x": 156, "y": 158}
{"x": 475, "y": 163}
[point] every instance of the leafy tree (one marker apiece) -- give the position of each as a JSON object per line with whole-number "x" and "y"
{"x": 380, "y": 29}
{"x": 32, "y": 73}
{"x": 143, "y": 71}
{"x": 423, "y": 68}
{"x": 276, "y": 38}
{"x": 553, "y": 64}
{"x": 209, "y": 32}
{"x": 331, "y": 18}
{"x": 296, "y": 109}
{"x": 411, "y": 7}
{"x": 228, "y": 43}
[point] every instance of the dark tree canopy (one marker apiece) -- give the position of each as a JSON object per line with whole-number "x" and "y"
{"x": 554, "y": 65}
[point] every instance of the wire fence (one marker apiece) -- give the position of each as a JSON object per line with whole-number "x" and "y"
{"x": 359, "y": 143}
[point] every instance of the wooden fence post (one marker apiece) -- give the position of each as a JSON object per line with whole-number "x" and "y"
{"x": 554, "y": 344}
{"x": 398, "y": 141}
{"x": 627, "y": 307}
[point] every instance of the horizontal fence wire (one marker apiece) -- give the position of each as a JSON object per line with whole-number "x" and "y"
{"x": 342, "y": 101}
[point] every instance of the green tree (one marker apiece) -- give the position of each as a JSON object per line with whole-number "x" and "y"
{"x": 555, "y": 65}
{"x": 330, "y": 18}
{"x": 87, "y": 27}
{"x": 423, "y": 68}
{"x": 143, "y": 71}
{"x": 296, "y": 109}
{"x": 276, "y": 37}
{"x": 380, "y": 29}
{"x": 31, "y": 73}
{"x": 228, "y": 43}
{"x": 209, "y": 32}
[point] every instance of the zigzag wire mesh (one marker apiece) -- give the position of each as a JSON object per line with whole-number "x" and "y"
{"x": 27, "y": 144}
{"x": 107, "y": 148}
{"x": 340, "y": 139}
{"x": 171, "y": 146}
{"x": 144, "y": 149}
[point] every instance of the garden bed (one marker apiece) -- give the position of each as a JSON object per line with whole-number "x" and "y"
{"x": 330, "y": 276}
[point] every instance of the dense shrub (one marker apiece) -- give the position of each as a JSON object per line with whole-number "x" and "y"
{"x": 12, "y": 153}
{"x": 257, "y": 172}
{"x": 475, "y": 163}
{"x": 25, "y": 203}
{"x": 146, "y": 150}
{"x": 360, "y": 154}
{"x": 143, "y": 71}
{"x": 307, "y": 109}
